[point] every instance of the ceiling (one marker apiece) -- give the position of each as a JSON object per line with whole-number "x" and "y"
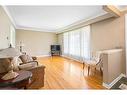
{"x": 51, "y": 18}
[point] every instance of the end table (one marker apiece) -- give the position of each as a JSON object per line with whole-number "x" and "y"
{"x": 21, "y": 81}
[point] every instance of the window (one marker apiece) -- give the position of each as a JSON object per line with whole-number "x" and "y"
{"x": 77, "y": 43}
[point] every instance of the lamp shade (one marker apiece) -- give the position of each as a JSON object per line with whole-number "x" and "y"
{"x": 9, "y": 52}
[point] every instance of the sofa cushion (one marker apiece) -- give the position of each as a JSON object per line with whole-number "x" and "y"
{"x": 27, "y": 66}
{"x": 26, "y": 58}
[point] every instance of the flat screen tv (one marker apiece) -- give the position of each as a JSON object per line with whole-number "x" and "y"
{"x": 55, "y": 47}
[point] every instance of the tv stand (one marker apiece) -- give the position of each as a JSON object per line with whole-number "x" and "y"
{"x": 55, "y": 52}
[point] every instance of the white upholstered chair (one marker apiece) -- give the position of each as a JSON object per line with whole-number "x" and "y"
{"x": 95, "y": 61}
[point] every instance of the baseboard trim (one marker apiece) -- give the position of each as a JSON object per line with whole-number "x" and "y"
{"x": 43, "y": 55}
{"x": 108, "y": 86}
{"x": 70, "y": 58}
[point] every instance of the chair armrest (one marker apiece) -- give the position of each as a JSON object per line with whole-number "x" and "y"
{"x": 28, "y": 65}
{"x": 34, "y": 58}
{"x": 33, "y": 61}
{"x": 29, "y": 62}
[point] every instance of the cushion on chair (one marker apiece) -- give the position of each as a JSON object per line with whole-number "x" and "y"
{"x": 19, "y": 61}
{"x": 26, "y": 58}
{"x": 27, "y": 66}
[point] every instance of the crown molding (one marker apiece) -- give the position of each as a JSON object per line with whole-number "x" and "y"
{"x": 85, "y": 22}
{"x": 35, "y": 29}
{"x": 70, "y": 27}
{"x": 9, "y": 15}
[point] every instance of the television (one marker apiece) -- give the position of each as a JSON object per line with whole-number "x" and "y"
{"x": 55, "y": 47}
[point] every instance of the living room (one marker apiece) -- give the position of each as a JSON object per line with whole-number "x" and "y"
{"x": 31, "y": 30}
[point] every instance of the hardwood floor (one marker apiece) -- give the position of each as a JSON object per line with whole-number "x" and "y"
{"x": 63, "y": 73}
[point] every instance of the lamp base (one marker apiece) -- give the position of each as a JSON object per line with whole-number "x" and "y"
{"x": 10, "y": 75}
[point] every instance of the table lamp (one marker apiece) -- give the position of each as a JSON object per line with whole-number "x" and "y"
{"x": 10, "y": 53}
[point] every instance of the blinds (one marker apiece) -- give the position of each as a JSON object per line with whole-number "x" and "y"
{"x": 77, "y": 43}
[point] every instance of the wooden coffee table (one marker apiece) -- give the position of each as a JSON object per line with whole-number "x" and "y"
{"x": 21, "y": 81}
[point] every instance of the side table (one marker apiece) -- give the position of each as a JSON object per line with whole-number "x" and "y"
{"x": 21, "y": 81}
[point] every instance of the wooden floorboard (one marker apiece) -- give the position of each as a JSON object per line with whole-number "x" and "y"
{"x": 63, "y": 73}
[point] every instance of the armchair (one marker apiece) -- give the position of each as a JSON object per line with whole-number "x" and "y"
{"x": 27, "y": 59}
{"x": 94, "y": 62}
{"x": 38, "y": 70}
{"x": 27, "y": 62}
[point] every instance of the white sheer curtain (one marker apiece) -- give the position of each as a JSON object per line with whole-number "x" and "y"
{"x": 77, "y": 43}
{"x": 85, "y": 43}
{"x": 74, "y": 44}
{"x": 66, "y": 43}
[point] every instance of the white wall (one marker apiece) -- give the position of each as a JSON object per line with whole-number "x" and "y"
{"x": 109, "y": 34}
{"x": 5, "y": 25}
{"x": 35, "y": 42}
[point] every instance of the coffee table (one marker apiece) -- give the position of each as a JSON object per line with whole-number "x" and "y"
{"x": 21, "y": 81}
